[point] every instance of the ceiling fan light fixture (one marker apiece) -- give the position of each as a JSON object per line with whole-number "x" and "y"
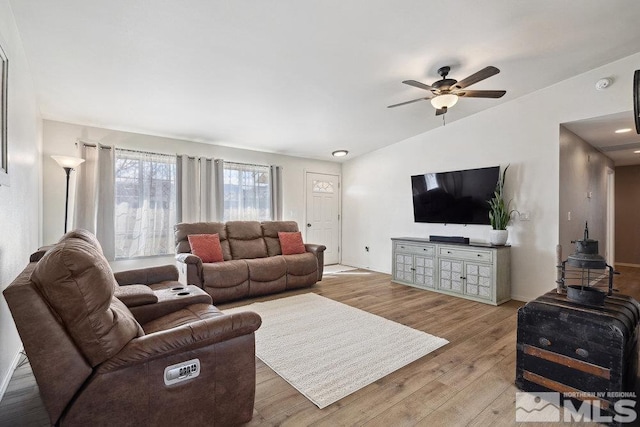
{"x": 446, "y": 100}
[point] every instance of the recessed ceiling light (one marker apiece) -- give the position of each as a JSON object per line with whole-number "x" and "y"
{"x": 340, "y": 153}
{"x": 625, "y": 130}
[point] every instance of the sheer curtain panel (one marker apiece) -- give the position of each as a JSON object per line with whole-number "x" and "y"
{"x": 145, "y": 195}
{"x": 94, "y": 201}
{"x": 246, "y": 192}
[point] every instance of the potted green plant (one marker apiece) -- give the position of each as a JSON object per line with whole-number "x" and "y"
{"x": 499, "y": 213}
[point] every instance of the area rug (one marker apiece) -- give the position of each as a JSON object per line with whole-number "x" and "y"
{"x": 328, "y": 350}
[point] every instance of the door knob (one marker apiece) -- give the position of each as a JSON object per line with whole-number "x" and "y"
{"x": 308, "y": 224}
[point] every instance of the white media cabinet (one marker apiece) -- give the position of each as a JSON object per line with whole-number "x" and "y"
{"x": 476, "y": 271}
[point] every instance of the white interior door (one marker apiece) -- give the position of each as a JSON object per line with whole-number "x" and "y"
{"x": 323, "y": 213}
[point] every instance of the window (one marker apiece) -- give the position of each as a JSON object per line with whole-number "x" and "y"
{"x": 145, "y": 199}
{"x": 247, "y": 193}
{"x": 322, "y": 186}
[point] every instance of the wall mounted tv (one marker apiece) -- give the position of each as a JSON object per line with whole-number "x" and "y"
{"x": 456, "y": 197}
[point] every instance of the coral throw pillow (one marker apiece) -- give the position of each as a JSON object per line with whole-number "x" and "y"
{"x": 206, "y": 246}
{"x": 291, "y": 243}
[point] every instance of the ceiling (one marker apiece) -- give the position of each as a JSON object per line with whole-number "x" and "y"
{"x": 600, "y": 132}
{"x": 302, "y": 77}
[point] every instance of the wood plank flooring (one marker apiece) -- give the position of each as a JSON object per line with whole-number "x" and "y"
{"x": 467, "y": 382}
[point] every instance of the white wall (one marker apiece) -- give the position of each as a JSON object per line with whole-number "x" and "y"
{"x": 20, "y": 202}
{"x": 60, "y": 138}
{"x": 583, "y": 170}
{"x": 524, "y": 133}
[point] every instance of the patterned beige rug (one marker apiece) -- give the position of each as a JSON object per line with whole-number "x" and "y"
{"x": 328, "y": 350}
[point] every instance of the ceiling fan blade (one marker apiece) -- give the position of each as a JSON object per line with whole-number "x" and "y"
{"x": 419, "y": 85}
{"x": 407, "y": 102}
{"x": 475, "y": 78}
{"x": 481, "y": 93}
{"x": 441, "y": 111}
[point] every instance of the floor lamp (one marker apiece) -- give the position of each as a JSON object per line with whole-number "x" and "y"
{"x": 68, "y": 164}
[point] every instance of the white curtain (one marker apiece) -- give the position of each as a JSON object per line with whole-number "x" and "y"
{"x": 195, "y": 186}
{"x": 145, "y": 210}
{"x": 218, "y": 171}
{"x": 94, "y": 201}
{"x": 207, "y": 185}
{"x": 276, "y": 193}
{"x": 187, "y": 187}
{"x": 246, "y": 192}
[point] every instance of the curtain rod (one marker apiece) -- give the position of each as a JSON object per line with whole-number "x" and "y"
{"x": 242, "y": 164}
{"x": 195, "y": 157}
{"x": 146, "y": 152}
{"x": 95, "y": 145}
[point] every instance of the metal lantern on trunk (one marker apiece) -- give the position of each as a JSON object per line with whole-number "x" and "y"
{"x": 580, "y": 341}
{"x": 576, "y": 281}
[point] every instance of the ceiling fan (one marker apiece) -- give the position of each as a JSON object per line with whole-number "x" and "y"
{"x": 445, "y": 93}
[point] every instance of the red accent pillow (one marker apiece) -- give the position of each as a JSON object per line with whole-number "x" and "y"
{"x": 206, "y": 246}
{"x": 291, "y": 242}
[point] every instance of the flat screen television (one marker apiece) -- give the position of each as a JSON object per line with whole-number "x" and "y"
{"x": 456, "y": 197}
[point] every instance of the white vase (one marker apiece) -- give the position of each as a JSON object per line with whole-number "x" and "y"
{"x": 498, "y": 237}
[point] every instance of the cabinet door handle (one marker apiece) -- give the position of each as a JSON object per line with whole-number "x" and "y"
{"x": 402, "y": 247}
{"x": 448, "y": 252}
{"x": 479, "y": 254}
{"x": 413, "y": 269}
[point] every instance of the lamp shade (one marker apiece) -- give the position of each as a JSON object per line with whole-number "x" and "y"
{"x": 68, "y": 162}
{"x": 447, "y": 100}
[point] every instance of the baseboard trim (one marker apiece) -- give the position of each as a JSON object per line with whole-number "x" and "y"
{"x": 521, "y": 298}
{"x": 624, "y": 264}
{"x": 7, "y": 379}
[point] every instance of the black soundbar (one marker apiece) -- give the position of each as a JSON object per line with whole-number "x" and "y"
{"x": 449, "y": 239}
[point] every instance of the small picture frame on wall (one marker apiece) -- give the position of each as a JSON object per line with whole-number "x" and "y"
{"x": 4, "y": 77}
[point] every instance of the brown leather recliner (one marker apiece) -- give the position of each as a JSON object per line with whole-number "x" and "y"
{"x": 97, "y": 364}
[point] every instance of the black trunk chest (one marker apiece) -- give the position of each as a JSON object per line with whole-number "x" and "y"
{"x": 568, "y": 347}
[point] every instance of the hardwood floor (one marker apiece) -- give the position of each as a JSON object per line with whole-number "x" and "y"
{"x": 467, "y": 382}
{"x": 21, "y": 404}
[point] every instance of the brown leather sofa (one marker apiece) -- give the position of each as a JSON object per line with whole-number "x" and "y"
{"x": 99, "y": 362}
{"x": 253, "y": 262}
